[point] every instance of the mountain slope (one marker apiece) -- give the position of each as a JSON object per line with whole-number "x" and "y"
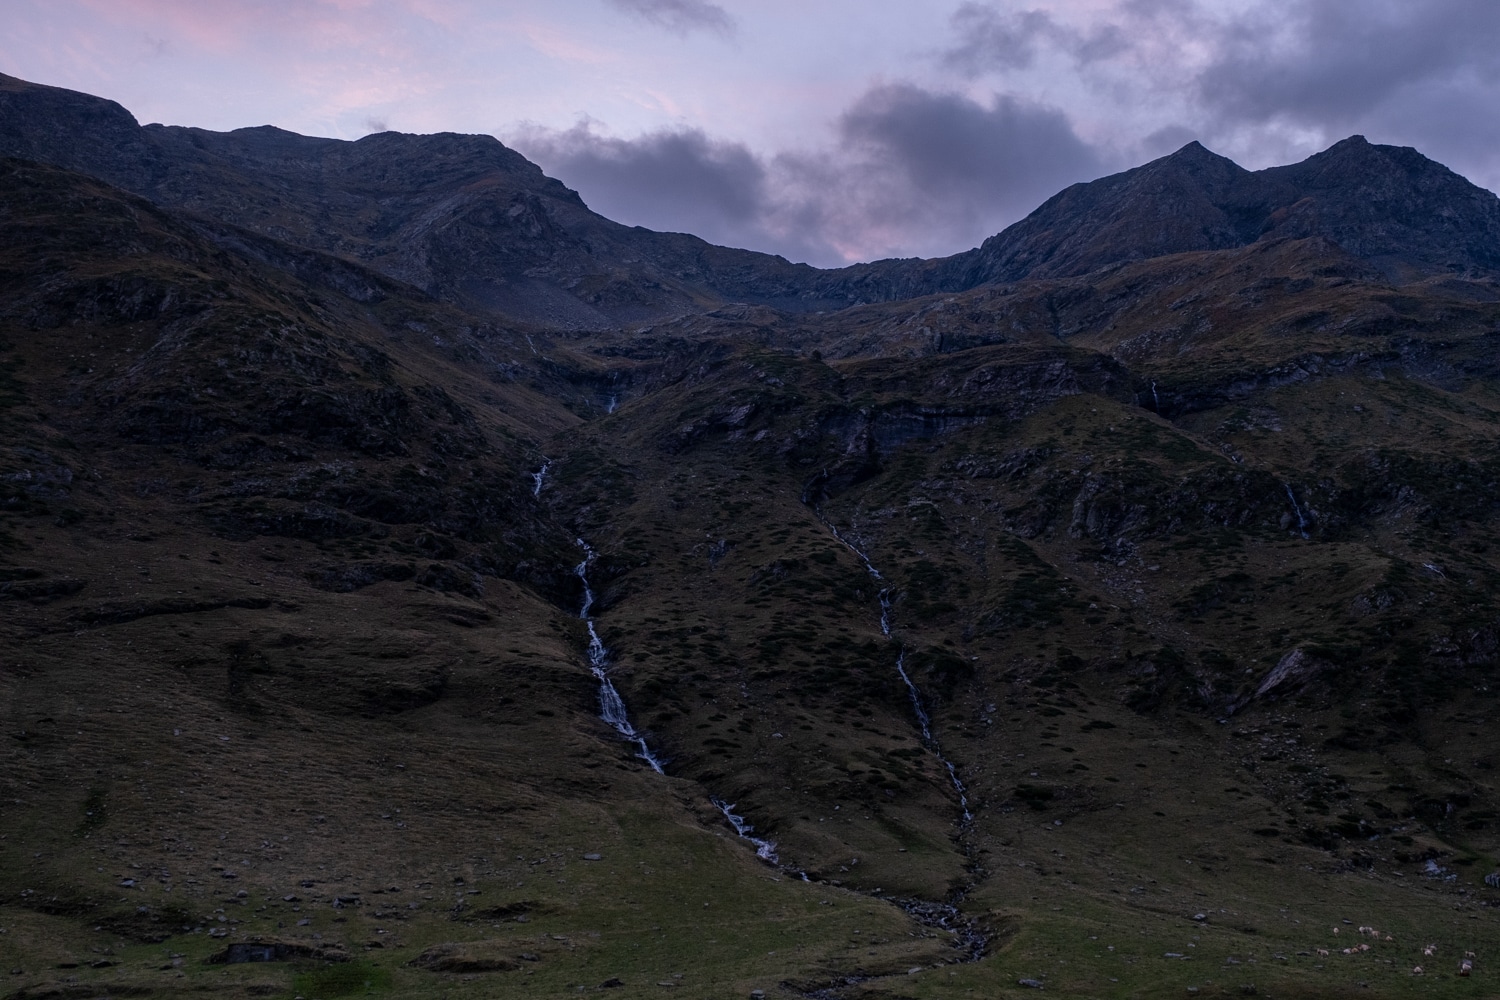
{"x": 1123, "y": 631}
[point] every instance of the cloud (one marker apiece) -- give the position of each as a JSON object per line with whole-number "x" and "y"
{"x": 679, "y": 180}
{"x": 1265, "y": 81}
{"x": 906, "y": 172}
{"x": 1325, "y": 61}
{"x": 1296, "y": 77}
{"x": 991, "y": 38}
{"x": 975, "y": 157}
{"x": 681, "y": 16}
{"x": 994, "y": 38}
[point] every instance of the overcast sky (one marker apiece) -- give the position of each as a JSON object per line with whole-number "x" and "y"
{"x": 826, "y": 130}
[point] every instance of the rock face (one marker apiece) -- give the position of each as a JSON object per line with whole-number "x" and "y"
{"x": 474, "y": 223}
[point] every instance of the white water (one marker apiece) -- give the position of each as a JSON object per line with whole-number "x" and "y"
{"x": 929, "y": 739}
{"x": 1154, "y": 398}
{"x": 611, "y": 705}
{"x": 923, "y": 720}
{"x": 538, "y": 476}
{"x": 1301, "y": 521}
{"x": 764, "y": 849}
{"x": 869, "y": 566}
{"x": 614, "y": 404}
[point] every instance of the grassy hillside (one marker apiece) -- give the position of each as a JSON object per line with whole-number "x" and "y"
{"x": 1190, "y": 564}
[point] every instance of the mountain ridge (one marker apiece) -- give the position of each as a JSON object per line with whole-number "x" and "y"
{"x": 468, "y": 219}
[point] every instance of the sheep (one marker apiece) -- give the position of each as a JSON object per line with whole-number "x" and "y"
{"x": 1429, "y": 951}
{"x": 1322, "y": 952}
{"x": 1364, "y": 947}
{"x": 1465, "y": 967}
{"x": 1416, "y": 970}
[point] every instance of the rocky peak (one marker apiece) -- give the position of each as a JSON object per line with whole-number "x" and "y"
{"x": 1389, "y": 204}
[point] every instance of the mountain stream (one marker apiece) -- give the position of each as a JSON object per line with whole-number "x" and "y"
{"x": 966, "y": 933}
{"x": 611, "y": 705}
{"x": 924, "y": 721}
{"x": 764, "y": 849}
{"x": 1301, "y": 521}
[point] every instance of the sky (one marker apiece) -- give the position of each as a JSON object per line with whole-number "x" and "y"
{"x": 828, "y": 131}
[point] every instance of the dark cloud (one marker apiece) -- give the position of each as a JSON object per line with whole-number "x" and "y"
{"x": 679, "y": 181}
{"x": 681, "y": 16}
{"x": 970, "y": 166}
{"x": 1334, "y": 62}
{"x": 1268, "y": 81}
{"x": 908, "y": 172}
{"x": 993, "y": 38}
{"x": 1420, "y": 74}
{"x": 946, "y": 143}
{"x": 997, "y": 39}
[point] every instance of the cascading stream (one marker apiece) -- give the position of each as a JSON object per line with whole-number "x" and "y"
{"x": 611, "y": 705}
{"x": 764, "y": 849}
{"x": 923, "y": 720}
{"x": 1301, "y": 521}
{"x": 539, "y": 476}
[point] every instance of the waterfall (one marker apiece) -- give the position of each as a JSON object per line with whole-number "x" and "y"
{"x": 764, "y": 849}
{"x": 1155, "y": 399}
{"x": 614, "y": 404}
{"x": 1301, "y": 521}
{"x": 611, "y": 705}
{"x": 538, "y": 476}
{"x": 923, "y": 720}
{"x": 926, "y": 723}
{"x": 869, "y": 566}
{"x": 916, "y": 699}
